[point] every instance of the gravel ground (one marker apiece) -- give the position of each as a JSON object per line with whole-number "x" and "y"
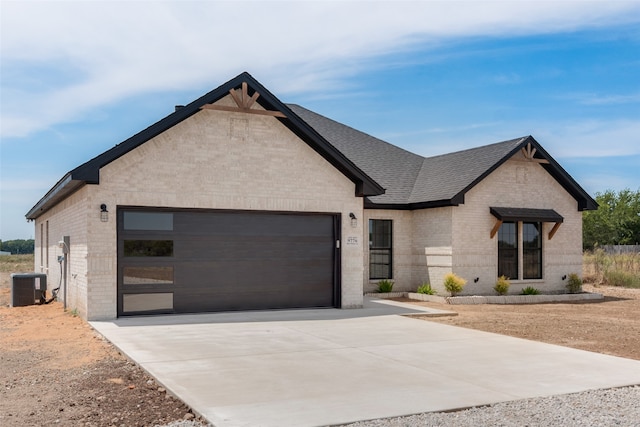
{"x": 612, "y": 407}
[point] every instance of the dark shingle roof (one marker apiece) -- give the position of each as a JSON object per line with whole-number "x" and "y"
{"x": 388, "y": 176}
{"x": 413, "y": 182}
{"x": 446, "y": 176}
{"x": 392, "y": 167}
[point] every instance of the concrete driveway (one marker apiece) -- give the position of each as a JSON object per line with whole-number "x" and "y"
{"x": 324, "y": 367}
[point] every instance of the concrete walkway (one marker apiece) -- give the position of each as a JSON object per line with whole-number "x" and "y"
{"x": 324, "y": 367}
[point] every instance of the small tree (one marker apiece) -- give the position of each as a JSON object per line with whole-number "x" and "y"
{"x": 453, "y": 283}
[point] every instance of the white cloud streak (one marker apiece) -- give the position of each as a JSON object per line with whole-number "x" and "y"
{"x": 91, "y": 54}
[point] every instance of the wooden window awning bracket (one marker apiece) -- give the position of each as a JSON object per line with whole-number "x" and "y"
{"x": 554, "y": 229}
{"x": 244, "y": 103}
{"x": 495, "y": 228}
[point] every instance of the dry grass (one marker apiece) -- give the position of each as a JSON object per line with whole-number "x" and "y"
{"x": 16, "y": 263}
{"x": 600, "y": 268}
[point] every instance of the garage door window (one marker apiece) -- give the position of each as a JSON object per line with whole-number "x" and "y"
{"x": 148, "y": 248}
{"x": 148, "y": 276}
{"x": 160, "y": 221}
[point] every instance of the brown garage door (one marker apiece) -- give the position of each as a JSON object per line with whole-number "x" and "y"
{"x": 190, "y": 261}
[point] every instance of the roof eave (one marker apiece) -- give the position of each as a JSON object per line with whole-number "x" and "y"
{"x": 89, "y": 172}
{"x": 66, "y": 186}
{"x": 584, "y": 200}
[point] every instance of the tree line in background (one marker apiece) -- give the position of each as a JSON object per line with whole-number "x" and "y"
{"x": 615, "y": 222}
{"x": 18, "y": 246}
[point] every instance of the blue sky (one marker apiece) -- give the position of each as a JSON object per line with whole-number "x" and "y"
{"x": 431, "y": 77}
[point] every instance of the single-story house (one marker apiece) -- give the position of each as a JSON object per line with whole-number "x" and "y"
{"x": 238, "y": 201}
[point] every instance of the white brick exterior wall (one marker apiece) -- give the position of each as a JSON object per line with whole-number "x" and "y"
{"x": 229, "y": 160}
{"x": 429, "y": 243}
{"x": 519, "y": 184}
{"x": 68, "y": 218}
{"x": 212, "y": 160}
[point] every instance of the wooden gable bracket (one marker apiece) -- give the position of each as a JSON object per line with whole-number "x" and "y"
{"x": 554, "y": 229}
{"x": 244, "y": 103}
{"x": 496, "y": 227}
{"x": 528, "y": 152}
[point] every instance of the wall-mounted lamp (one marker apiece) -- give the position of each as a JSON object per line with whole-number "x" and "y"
{"x": 104, "y": 213}
{"x": 476, "y": 280}
{"x": 354, "y": 220}
{"x": 564, "y": 277}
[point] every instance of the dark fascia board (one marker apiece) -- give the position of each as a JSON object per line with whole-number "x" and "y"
{"x": 365, "y": 185}
{"x": 89, "y": 172}
{"x": 585, "y": 202}
{"x": 63, "y": 188}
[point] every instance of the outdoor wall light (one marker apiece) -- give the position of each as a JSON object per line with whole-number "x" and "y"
{"x": 564, "y": 277}
{"x": 476, "y": 280}
{"x": 104, "y": 213}
{"x": 354, "y": 220}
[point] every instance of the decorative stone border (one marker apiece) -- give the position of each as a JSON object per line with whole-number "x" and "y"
{"x": 492, "y": 299}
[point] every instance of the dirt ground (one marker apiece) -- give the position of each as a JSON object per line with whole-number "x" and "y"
{"x": 611, "y": 326}
{"x": 55, "y": 370}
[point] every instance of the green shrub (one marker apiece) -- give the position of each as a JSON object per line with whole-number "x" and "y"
{"x": 426, "y": 289}
{"x": 502, "y": 285}
{"x": 385, "y": 286}
{"x": 530, "y": 290}
{"x": 621, "y": 278}
{"x": 454, "y": 283}
{"x": 574, "y": 284}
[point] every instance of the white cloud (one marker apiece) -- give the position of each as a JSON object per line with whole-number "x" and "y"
{"x": 591, "y": 138}
{"x": 563, "y": 140}
{"x": 114, "y": 50}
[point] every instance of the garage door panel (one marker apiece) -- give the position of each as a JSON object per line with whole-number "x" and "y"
{"x": 202, "y": 301}
{"x": 252, "y": 224}
{"x": 242, "y": 261}
{"x": 217, "y": 248}
{"x": 252, "y": 275}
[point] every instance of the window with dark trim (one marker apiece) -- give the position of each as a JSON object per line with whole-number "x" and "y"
{"x": 532, "y": 250}
{"x": 380, "y": 249}
{"x": 512, "y": 246}
{"x": 508, "y": 250}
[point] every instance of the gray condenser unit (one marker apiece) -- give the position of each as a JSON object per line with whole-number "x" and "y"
{"x": 28, "y": 289}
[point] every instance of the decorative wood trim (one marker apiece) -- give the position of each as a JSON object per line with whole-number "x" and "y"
{"x": 239, "y": 110}
{"x": 528, "y": 152}
{"x": 495, "y": 228}
{"x": 244, "y": 103}
{"x": 554, "y": 229}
